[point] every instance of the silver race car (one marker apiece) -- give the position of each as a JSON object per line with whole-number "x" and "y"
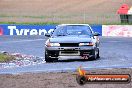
{"x": 72, "y": 40}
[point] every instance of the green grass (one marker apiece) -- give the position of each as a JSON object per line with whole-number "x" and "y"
{"x": 10, "y": 16}
{"x": 48, "y": 23}
{"x": 29, "y": 23}
{"x": 37, "y": 17}
{"x": 6, "y": 58}
{"x": 63, "y": 18}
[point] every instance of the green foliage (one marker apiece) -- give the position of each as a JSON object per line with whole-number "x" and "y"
{"x": 6, "y": 58}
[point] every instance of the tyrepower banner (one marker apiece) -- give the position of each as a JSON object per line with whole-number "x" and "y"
{"x": 117, "y": 30}
{"x": 34, "y": 29}
{"x": 26, "y": 29}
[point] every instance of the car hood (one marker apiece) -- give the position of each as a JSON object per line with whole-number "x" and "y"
{"x": 70, "y": 39}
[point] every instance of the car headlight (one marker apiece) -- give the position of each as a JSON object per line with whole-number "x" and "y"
{"x": 86, "y": 44}
{"x": 52, "y": 44}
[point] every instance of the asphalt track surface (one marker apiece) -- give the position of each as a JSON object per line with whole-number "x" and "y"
{"x": 115, "y": 52}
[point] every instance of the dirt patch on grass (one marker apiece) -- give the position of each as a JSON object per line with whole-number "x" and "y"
{"x": 58, "y": 80}
{"x": 61, "y": 11}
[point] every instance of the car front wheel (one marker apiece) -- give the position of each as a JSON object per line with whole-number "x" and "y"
{"x": 95, "y": 55}
{"x": 98, "y": 56}
{"x": 47, "y": 58}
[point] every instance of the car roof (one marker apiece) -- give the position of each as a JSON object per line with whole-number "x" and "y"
{"x": 73, "y": 24}
{"x": 76, "y": 25}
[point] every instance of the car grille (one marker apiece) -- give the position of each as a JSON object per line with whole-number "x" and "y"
{"x": 69, "y": 52}
{"x": 69, "y": 44}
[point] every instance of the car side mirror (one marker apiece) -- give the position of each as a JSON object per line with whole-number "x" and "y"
{"x": 47, "y": 35}
{"x": 96, "y": 34}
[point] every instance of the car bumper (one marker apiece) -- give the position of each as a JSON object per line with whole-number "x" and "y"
{"x": 56, "y": 52}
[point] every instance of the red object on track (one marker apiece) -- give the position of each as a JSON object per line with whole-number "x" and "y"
{"x": 123, "y": 9}
{"x": 1, "y": 31}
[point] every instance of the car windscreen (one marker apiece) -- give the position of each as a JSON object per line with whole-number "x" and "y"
{"x": 72, "y": 30}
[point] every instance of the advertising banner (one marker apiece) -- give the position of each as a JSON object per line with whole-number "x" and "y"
{"x": 25, "y": 29}
{"x": 34, "y": 29}
{"x": 117, "y": 30}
